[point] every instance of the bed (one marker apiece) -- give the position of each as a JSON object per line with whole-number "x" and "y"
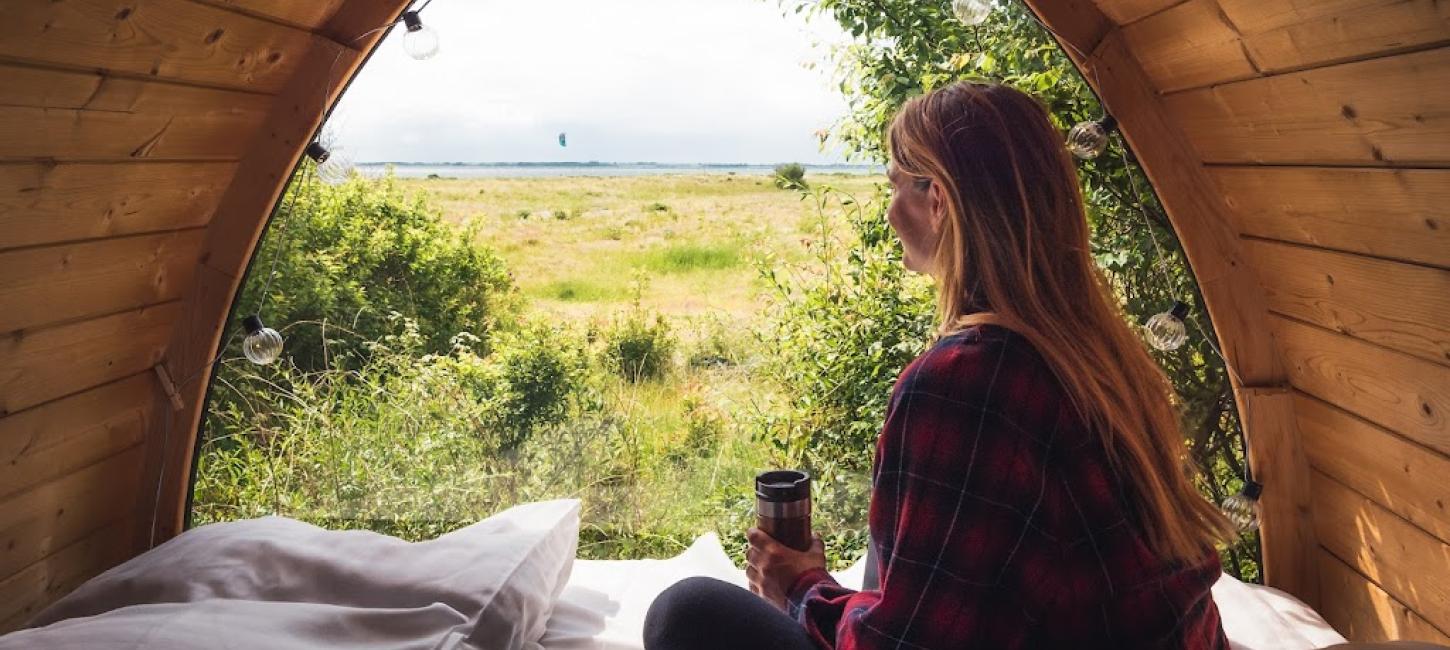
{"x": 508, "y": 582}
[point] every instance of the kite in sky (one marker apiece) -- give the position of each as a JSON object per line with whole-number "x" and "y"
{"x": 563, "y": 139}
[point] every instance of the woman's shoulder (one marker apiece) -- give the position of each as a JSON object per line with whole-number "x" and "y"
{"x": 984, "y": 361}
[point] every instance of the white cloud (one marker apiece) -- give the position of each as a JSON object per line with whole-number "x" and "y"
{"x": 629, "y": 80}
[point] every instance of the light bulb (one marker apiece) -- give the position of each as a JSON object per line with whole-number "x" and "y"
{"x": 972, "y": 12}
{"x": 421, "y": 41}
{"x": 263, "y": 344}
{"x": 1166, "y": 330}
{"x": 1088, "y": 140}
{"x": 335, "y": 170}
{"x": 1242, "y": 509}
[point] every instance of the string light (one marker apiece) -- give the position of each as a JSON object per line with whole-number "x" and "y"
{"x": 972, "y": 12}
{"x": 421, "y": 41}
{"x": 263, "y": 344}
{"x": 1166, "y": 330}
{"x": 1088, "y": 140}
{"x": 1242, "y": 509}
{"x": 333, "y": 167}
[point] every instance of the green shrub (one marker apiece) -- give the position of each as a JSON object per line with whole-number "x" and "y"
{"x": 790, "y": 176}
{"x": 638, "y": 346}
{"x": 533, "y": 374}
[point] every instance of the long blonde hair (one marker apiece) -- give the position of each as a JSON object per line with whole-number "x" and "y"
{"x": 1014, "y": 252}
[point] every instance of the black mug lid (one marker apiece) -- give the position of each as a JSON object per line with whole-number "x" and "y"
{"x": 783, "y": 485}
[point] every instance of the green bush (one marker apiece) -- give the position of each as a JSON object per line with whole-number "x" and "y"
{"x": 790, "y": 176}
{"x": 532, "y": 376}
{"x": 638, "y": 346}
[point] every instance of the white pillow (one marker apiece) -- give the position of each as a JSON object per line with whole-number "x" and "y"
{"x": 495, "y": 581}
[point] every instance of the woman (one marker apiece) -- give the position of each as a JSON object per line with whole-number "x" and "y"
{"x": 1030, "y": 482}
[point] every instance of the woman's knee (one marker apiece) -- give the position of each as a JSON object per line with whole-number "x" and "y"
{"x": 682, "y": 611}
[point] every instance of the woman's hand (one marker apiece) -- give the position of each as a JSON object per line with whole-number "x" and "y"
{"x": 773, "y": 567}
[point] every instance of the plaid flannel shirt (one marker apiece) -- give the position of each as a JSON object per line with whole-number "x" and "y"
{"x": 1000, "y": 524}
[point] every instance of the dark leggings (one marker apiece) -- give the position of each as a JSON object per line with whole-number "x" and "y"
{"x": 702, "y": 613}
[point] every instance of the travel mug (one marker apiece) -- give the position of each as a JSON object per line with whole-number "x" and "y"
{"x": 783, "y": 507}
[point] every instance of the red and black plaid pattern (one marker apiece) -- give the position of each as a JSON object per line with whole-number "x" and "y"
{"x": 1001, "y": 524}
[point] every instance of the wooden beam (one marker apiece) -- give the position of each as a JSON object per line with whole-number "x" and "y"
{"x": 1362, "y": 611}
{"x": 50, "y": 204}
{"x": 49, "y": 441}
{"x": 54, "y": 362}
{"x": 166, "y": 39}
{"x": 1401, "y": 214}
{"x": 1406, "y": 395}
{"x": 1231, "y": 290}
{"x": 1402, "y": 559}
{"x": 26, "y": 593}
{"x": 1405, "y": 478}
{"x": 38, "y": 522}
{"x": 1403, "y": 307}
{"x": 1378, "y": 112}
{"x": 55, "y": 284}
{"x": 232, "y": 236}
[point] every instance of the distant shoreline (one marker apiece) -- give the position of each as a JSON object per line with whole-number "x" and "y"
{"x": 542, "y": 169}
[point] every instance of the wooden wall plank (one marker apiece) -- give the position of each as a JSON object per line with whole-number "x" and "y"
{"x": 1277, "y": 455}
{"x": 1379, "y": 112}
{"x": 1400, "y": 306}
{"x": 46, "y": 442}
{"x": 54, "y": 284}
{"x": 1200, "y": 43}
{"x": 1362, "y": 611}
{"x": 166, "y": 39}
{"x": 54, "y": 362}
{"x": 1394, "y": 213}
{"x": 25, "y": 594}
{"x": 39, "y": 133}
{"x": 49, "y": 204}
{"x": 32, "y": 87}
{"x": 1404, "y": 394}
{"x": 1407, "y": 479}
{"x": 41, "y": 521}
{"x": 309, "y": 15}
{"x": 1402, "y": 559}
{"x": 1122, "y": 12}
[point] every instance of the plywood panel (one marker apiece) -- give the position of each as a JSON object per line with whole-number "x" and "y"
{"x": 24, "y": 594}
{"x": 54, "y": 284}
{"x": 1196, "y": 43}
{"x": 1379, "y": 112}
{"x": 1410, "y": 480}
{"x": 1403, "y": 560}
{"x": 54, "y": 362}
{"x": 1400, "y": 306}
{"x": 1395, "y": 213}
{"x": 310, "y": 14}
{"x": 1362, "y": 611}
{"x": 1404, "y": 394}
{"x": 43, "y": 443}
{"x": 41, "y": 521}
{"x": 47, "y": 203}
{"x": 166, "y": 39}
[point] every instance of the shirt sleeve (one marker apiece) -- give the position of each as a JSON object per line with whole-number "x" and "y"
{"x": 958, "y": 482}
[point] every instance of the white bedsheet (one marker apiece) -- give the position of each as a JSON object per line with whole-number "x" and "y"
{"x": 603, "y": 604}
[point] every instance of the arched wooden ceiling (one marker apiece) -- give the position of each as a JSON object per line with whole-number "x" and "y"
{"x": 1300, "y": 148}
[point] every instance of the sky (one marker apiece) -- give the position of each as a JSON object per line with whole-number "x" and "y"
{"x": 673, "y": 81}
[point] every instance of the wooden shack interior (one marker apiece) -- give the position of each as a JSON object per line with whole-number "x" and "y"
{"x": 1300, "y": 147}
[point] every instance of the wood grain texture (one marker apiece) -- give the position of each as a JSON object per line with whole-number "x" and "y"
{"x": 1276, "y": 453}
{"x": 1399, "y": 214}
{"x": 46, "y": 442}
{"x": 55, "y": 284}
{"x": 1403, "y": 307}
{"x": 1404, "y": 394}
{"x": 26, "y": 593}
{"x": 166, "y": 39}
{"x": 1362, "y": 611}
{"x": 1407, "y": 479}
{"x": 1402, "y": 559}
{"x": 1122, "y": 12}
{"x": 1205, "y": 42}
{"x": 41, "y": 521}
{"x": 308, "y": 15}
{"x": 49, "y": 204}
{"x": 1380, "y": 112}
{"x": 54, "y": 362}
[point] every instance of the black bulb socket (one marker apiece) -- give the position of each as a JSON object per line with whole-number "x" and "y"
{"x": 318, "y": 153}
{"x": 1109, "y": 123}
{"x": 1180, "y": 310}
{"x": 1252, "y": 490}
{"x": 252, "y": 324}
{"x": 412, "y": 21}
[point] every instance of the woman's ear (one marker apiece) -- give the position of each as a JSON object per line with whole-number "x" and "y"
{"x": 938, "y": 200}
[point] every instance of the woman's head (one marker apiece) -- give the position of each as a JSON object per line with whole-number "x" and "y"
{"x": 987, "y": 202}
